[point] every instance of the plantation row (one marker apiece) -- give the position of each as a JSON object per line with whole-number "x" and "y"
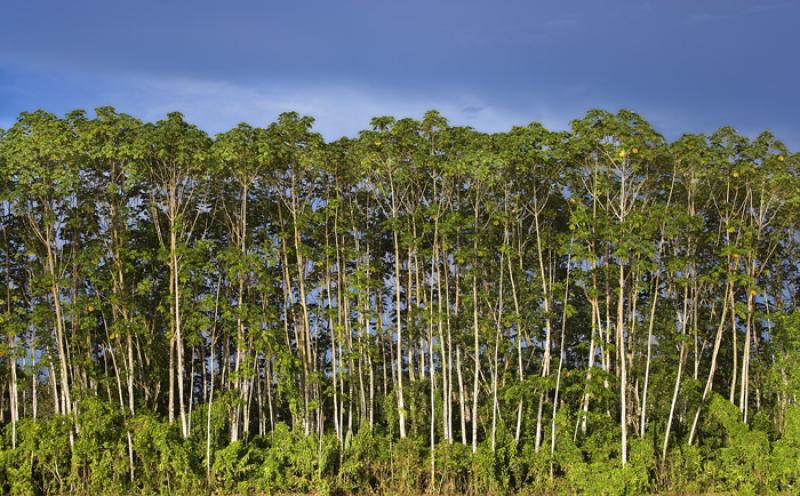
{"x": 421, "y": 308}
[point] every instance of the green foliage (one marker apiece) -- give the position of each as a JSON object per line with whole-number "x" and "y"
{"x": 234, "y": 469}
{"x": 454, "y": 463}
{"x": 360, "y": 462}
{"x": 98, "y": 449}
{"x": 164, "y": 461}
{"x": 297, "y": 464}
{"x": 784, "y": 461}
{"x": 742, "y": 460}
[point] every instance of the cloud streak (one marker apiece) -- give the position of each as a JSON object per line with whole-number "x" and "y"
{"x": 759, "y": 8}
{"x": 340, "y": 109}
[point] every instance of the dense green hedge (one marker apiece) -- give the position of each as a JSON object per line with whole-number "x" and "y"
{"x": 731, "y": 458}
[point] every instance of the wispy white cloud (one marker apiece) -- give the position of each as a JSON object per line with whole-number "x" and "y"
{"x": 339, "y": 109}
{"x": 756, "y": 8}
{"x": 345, "y": 108}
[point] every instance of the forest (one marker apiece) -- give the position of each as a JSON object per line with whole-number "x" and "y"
{"x": 422, "y": 308}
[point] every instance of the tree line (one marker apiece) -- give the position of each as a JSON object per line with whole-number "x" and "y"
{"x": 423, "y": 307}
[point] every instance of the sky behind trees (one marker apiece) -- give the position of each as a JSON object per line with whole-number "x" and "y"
{"x": 686, "y": 66}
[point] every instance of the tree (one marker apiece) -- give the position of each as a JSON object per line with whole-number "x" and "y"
{"x": 173, "y": 155}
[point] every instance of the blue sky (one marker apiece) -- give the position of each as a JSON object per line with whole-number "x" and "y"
{"x": 687, "y": 66}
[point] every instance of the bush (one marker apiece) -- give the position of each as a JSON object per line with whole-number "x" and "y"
{"x": 408, "y": 464}
{"x": 741, "y": 463}
{"x": 100, "y": 459}
{"x": 683, "y": 469}
{"x": 165, "y": 461}
{"x": 233, "y": 468}
{"x": 730, "y": 457}
{"x": 297, "y": 463}
{"x": 363, "y": 462}
{"x": 785, "y": 457}
{"x": 453, "y": 462}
